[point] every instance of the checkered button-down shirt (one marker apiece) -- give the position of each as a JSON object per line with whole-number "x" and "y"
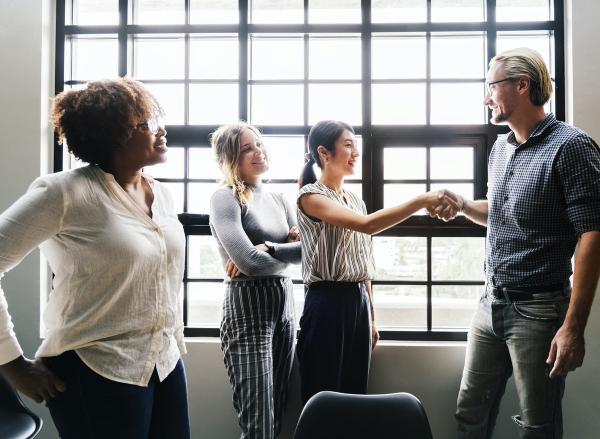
{"x": 542, "y": 194}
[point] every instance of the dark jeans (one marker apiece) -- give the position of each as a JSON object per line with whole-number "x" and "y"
{"x": 334, "y": 343}
{"x": 96, "y": 407}
{"x": 512, "y": 338}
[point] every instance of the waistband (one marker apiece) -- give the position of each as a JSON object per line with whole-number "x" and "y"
{"x": 335, "y": 286}
{"x": 527, "y": 292}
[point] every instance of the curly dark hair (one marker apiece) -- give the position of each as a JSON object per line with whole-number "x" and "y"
{"x": 99, "y": 119}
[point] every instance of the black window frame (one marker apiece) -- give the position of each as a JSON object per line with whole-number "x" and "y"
{"x": 374, "y": 137}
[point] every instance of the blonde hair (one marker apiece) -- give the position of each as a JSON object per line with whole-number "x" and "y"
{"x": 226, "y": 144}
{"x": 527, "y": 62}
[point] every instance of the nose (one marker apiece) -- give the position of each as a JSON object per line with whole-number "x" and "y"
{"x": 487, "y": 100}
{"x": 162, "y": 131}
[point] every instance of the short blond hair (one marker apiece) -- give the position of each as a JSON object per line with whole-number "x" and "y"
{"x": 226, "y": 144}
{"x": 526, "y": 62}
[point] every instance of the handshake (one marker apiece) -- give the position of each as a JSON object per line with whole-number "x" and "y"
{"x": 444, "y": 204}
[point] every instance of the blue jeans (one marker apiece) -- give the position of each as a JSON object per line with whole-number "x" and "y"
{"x": 96, "y": 407}
{"x": 512, "y": 338}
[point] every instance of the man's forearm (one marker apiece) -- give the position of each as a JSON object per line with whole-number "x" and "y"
{"x": 476, "y": 211}
{"x": 585, "y": 280}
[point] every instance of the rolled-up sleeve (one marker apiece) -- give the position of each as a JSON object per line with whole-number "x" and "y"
{"x": 31, "y": 220}
{"x": 578, "y": 166}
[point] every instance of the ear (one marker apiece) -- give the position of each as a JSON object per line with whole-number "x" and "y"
{"x": 523, "y": 85}
{"x": 323, "y": 153}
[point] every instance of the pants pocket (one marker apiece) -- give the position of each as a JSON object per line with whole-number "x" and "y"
{"x": 547, "y": 311}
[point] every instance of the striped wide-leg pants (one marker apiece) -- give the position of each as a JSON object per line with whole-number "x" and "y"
{"x": 257, "y": 339}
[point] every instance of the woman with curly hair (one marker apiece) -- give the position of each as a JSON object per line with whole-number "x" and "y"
{"x": 256, "y": 233}
{"x": 109, "y": 364}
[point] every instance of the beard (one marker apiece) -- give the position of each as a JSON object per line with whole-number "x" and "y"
{"x": 498, "y": 117}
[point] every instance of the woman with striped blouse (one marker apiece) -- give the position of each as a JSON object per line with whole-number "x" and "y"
{"x": 337, "y": 328}
{"x": 257, "y": 239}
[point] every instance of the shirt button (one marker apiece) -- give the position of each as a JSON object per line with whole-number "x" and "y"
{"x": 506, "y": 198}
{"x": 511, "y": 173}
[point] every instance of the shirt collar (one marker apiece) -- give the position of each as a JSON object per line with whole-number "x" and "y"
{"x": 539, "y": 130}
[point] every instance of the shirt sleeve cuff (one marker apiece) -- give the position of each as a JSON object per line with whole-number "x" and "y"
{"x": 9, "y": 349}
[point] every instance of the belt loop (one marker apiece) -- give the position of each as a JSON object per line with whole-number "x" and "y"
{"x": 505, "y": 294}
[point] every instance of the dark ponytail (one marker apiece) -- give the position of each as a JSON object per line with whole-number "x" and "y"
{"x": 324, "y": 133}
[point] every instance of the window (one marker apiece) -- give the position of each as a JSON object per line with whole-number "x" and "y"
{"x": 407, "y": 74}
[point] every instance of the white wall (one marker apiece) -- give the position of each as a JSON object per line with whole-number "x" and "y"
{"x": 430, "y": 371}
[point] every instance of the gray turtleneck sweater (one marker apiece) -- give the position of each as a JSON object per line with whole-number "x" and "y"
{"x": 237, "y": 229}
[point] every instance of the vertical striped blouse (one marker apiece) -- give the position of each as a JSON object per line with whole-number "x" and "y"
{"x": 332, "y": 253}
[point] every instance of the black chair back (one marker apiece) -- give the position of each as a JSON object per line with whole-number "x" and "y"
{"x": 333, "y": 415}
{"x": 16, "y": 420}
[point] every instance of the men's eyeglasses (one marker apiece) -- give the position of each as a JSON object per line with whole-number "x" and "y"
{"x": 490, "y": 86}
{"x": 152, "y": 125}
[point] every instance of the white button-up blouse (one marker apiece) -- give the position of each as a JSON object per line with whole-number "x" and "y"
{"x": 116, "y": 291}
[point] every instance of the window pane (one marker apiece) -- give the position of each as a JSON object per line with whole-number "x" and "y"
{"x": 204, "y": 260}
{"x": 405, "y": 163}
{"x": 335, "y": 101}
{"x": 355, "y": 188}
{"x": 541, "y": 41}
{"x": 457, "y": 10}
{"x": 214, "y": 57}
{"x": 341, "y": 11}
{"x": 95, "y": 12}
{"x": 170, "y": 97}
{"x": 203, "y": 164}
{"x": 277, "y": 57}
{"x": 334, "y": 58}
{"x": 453, "y": 306}
{"x": 400, "y": 306}
{"x": 400, "y": 258}
{"x": 411, "y": 47}
{"x": 452, "y": 163}
{"x": 277, "y": 12}
{"x": 399, "y": 11}
{"x": 522, "y": 10}
{"x": 286, "y": 156}
{"x": 158, "y": 11}
{"x": 199, "y": 197}
{"x": 277, "y": 104}
{"x": 91, "y": 57}
{"x": 444, "y": 50}
{"x": 467, "y": 190}
{"x": 289, "y": 191}
{"x": 176, "y": 191}
{"x": 213, "y": 104}
{"x": 457, "y": 103}
{"x": 172, "y": 168}
{"x": 205, "y": 303}
{"x": 158, "y": 58}
{"x": 398, "y": 104}
{"x": 446, "y": 263}
{"x": 394, "y": 194}
{"x": 214, "y": 12}
{"x": 298, "y": 302}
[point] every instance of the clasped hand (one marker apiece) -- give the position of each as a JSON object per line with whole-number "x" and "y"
{"x": 445, "y": 205}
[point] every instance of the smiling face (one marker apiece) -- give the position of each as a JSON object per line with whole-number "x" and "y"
{"x": 252, "y": 161}
{"x": 344, "y": 160}
{"x": 144, "y": 148}
{"x": 502, "y": 97}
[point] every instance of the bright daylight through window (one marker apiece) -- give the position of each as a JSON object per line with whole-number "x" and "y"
{"x": 409, "y": 75}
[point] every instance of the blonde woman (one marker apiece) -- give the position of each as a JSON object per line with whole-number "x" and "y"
{"x": 257, "y": 237}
